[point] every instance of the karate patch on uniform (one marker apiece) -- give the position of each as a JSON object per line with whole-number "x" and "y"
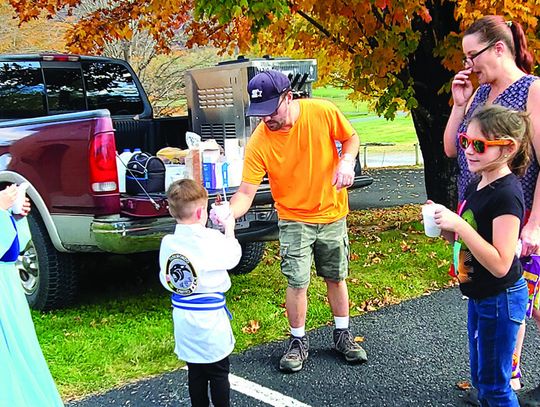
{"x": 181, "y": 276}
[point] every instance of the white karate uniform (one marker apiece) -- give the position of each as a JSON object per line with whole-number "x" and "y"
{"x": 201, "y": 335}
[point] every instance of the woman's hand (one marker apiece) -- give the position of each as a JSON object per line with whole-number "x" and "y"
{"x": 8, "y": 196}
{"x": 462, "y": 88}
{"x": 530, "y": 239}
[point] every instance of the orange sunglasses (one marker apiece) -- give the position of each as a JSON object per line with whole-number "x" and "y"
{"x": 480, "y": 146}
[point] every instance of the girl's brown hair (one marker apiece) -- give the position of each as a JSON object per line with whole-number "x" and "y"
{"x": 183, "y": 195}
{"x": 494, "y": 28}
{"x": 498, "y": 122}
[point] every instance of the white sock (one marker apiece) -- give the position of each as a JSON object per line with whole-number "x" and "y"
{"x": 341, "y": 322}
{"x": 298, "y": 332}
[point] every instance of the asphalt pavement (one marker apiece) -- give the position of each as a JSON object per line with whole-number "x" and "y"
{"x": 390, "y": 187}
{"x": 417, "y": 354}
{"x": 417, "y": 350}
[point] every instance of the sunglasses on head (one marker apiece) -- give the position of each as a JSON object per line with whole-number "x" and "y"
{"x": 479, "y": 145}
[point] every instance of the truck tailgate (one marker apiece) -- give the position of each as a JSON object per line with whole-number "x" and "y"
{"x": 155, "y": 204}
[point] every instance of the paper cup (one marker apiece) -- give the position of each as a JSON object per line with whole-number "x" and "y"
{"x": 430, "y": 227}
{"x": 17, "y": 207}
{"x": 222, "y": 211}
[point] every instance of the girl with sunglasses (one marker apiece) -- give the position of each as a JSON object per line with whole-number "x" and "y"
{"x": 496, "y": 53}
{"x": 485, "y": 234}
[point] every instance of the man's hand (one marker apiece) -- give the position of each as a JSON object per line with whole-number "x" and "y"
{"x": 344, "y": 175}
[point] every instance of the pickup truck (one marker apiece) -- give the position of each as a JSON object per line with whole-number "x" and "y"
{"x": 63, "y": 118}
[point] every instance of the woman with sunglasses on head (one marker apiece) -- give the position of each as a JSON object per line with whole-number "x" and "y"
{"x": 496, "y": 53}
{"x": 485, "y": 234}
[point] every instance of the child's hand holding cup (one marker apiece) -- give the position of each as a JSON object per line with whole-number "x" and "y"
{"x": 220, "y": 213}
{"x": 428, "y": 214}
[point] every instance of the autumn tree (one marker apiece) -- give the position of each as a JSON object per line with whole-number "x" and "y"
{"x": 36, "y": 35}
{"x": 400, "y": 54}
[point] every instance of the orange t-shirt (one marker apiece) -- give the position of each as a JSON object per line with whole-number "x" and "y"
{"x": 301, "y": 162}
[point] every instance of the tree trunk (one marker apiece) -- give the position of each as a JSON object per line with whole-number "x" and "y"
{"x": 433, "y": 109}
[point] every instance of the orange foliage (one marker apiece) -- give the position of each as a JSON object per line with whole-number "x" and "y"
{"x": 38, "y": 35}
{"x": 366, "y": 46}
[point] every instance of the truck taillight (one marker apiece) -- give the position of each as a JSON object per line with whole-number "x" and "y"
{"x": 60, "y": 57}
{"x": 102, "y": 155}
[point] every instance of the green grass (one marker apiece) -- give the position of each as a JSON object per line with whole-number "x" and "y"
{"x": 124, "y": 331}
{"x": 370, "y": 127}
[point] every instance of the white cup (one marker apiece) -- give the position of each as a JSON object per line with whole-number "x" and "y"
{"x": 430, "y": 227}
{"x": 17, "y": 207}
{"x": 223, "y": 210}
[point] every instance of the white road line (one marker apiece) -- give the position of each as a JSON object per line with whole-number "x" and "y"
{"x": 262, "y": 393}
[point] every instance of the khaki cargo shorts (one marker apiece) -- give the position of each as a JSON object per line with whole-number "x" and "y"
{"x": 327, "y": 244}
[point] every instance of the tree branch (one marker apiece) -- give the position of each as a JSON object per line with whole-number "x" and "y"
{"x": 323, "y": 30}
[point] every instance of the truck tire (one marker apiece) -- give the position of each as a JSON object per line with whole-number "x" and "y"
{"x": 49, "y": 277}
{"x": 252, "y": 253}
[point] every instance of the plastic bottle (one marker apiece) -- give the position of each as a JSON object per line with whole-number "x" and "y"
{"x": 121, "y": 163}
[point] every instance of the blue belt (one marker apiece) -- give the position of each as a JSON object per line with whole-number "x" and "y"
{"x": 201, "y": 302}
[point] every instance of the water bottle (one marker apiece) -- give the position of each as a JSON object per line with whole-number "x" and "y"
{"x": 121, "y": 163}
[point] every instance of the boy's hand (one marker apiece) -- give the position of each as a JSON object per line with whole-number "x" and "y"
{"x": 8, "y": 196}
{"x": 223, "y": 218}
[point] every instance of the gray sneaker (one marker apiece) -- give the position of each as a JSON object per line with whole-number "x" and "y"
{"x": 345, "y": 344}
{"x": 296, "y": 354}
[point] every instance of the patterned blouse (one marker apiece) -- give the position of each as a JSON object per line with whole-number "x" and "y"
{"x": 514, "y": 97}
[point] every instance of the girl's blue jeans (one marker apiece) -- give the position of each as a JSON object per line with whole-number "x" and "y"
{"x": 493, "y": 325}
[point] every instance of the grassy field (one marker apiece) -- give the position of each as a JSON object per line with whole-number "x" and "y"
{"x": 122, "y": 330}
{"x": 370, "y": 127}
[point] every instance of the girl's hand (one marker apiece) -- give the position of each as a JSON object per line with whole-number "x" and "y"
{"x": 25, "y": 208}
{"x": 8, "y": 196}
{"x": 462, "y": 88}
{"x": 446, "y": 219}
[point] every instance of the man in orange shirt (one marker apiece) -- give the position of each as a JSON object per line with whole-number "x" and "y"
{"x": 296, "y": 146}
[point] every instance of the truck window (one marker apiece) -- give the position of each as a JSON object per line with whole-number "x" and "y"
{"x": 111, "y": 86}
{"x": 22, "y": 92}
{"x": 64, "y": 90}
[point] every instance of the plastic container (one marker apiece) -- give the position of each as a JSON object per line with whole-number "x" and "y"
{"x": 121, "y": 163}
{"x": 234, "y": 172}
{"x": 174, "y": 172}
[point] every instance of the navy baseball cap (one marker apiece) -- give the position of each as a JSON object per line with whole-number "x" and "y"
{"x": 264, "y": 90}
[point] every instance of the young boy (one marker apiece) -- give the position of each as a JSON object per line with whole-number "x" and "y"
{"x": 193, "y": 265}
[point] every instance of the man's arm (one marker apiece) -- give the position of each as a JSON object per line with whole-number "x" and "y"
{"x": 242, "y": 199}
{"x": 344, "y": 175}
{"x": 350, "y": 147}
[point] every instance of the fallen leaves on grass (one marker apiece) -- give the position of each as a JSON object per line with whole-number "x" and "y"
{"x": 252, "y": 327}
{"x": 370, "y": 221}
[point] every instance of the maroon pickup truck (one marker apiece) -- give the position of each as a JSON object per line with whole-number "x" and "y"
{"x": 62, "y": 120}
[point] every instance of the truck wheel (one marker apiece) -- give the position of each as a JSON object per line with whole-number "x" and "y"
{"x": 252, "y": 253}
{"x": 48, "y": 277}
